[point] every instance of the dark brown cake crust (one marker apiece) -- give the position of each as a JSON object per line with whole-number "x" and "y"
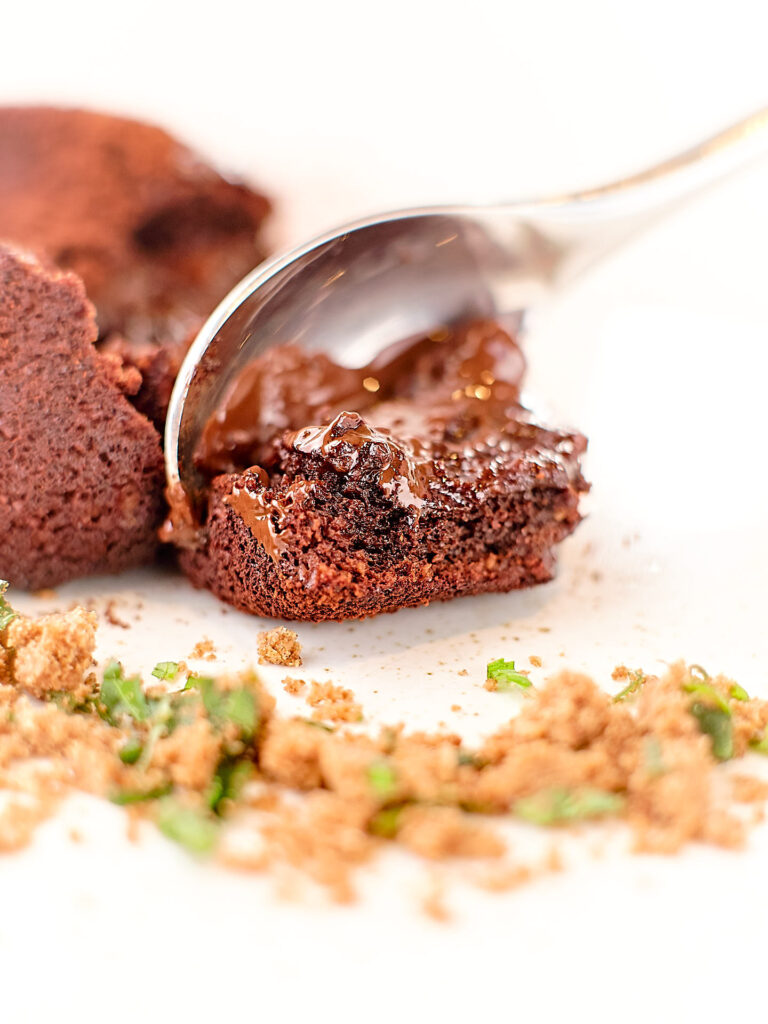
{"x": 81, "y": 471}
{"x": 157, "y": 236}
{"x": 444, "y": 488}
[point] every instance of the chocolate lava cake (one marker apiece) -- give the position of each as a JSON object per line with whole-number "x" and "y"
{"x": 157, "y": 236}
{"x": 81, "y": 471}
{"x": 338, "y": 493}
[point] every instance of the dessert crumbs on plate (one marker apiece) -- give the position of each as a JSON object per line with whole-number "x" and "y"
{"x": 220, "y": 772}
{"x": 434, "y": 903}
{"x": 110, "y": 614}
{"x": 279, "y": 646}
{"x": 333, "y": 703}
{"x": 204, "y": 650}
{"x": 293, "y": 686}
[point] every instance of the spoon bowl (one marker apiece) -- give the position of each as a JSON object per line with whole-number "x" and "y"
{"x": 397, "y": 275}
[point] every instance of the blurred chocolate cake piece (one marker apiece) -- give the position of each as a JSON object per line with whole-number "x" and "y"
{"x": 81, "y": 471}
{"x": 157, "y": 236}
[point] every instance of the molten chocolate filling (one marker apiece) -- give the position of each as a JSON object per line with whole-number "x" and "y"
{"x": 413, "y": 421}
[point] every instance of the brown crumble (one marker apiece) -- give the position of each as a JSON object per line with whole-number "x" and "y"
{"x": 110, "y": 614}
{"x": 357, "y": 791}
{"x": 204, "y": 650}
{"x": 293, "y": 686}
{"x": 434, "y": 903}
{"x": 535, "y": 660}
{"x": 333, "y": 703}
{"x": 279, "y": 646}
{"x": 55, "y": 649}
{"x": 462, "y": 672}
{"x": 133, "y": 823}
{"x": 75, "y": 835}
{"x": 545, "y": 629}
{"x": 455, "y": 707}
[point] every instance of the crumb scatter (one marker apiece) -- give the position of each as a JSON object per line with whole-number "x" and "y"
{"x": 293, "y": 686}
{"x": 204, "y": 650}
{"x": 279, "y": 646}
{"x": 327, "y": 798}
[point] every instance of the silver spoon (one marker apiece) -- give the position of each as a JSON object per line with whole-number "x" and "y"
{"x": 396, "y": 275}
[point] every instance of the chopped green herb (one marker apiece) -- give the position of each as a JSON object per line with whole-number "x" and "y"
{"x": 136, "y": 796}
{"x": 66, "y": 701}
{"x": 707, "y": 693}
{"x": 636, "y": 680}
{"x": 165, "y": 670}
{"x": 760, "y": 743}
{"x": 382, "y": 778}
{"x": 386, "y": 822}
{"x": 738, "y": 693}
{"x": 163, "y": 720}
{"x": 122, "y": 696}
{"x": 195, "y": 830}
{"x": 130, "y": 752}
{"x": 7, "y": 614}
{"x": 228, "y": 782}
{"x": 654, "y": 762}
{"x": 466, "y": 759}
{"x": 234, "y": 706}
{"x": 716, "y": 723}
{"x": 559, "y": 806}
{"x": 240, "y": 709}
{"x": 318, "y": 725}
{"x": 506, "y": 676}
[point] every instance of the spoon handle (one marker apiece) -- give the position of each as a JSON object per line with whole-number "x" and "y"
{"x": 577, "y": 230}
{"x": 679, "y": 176}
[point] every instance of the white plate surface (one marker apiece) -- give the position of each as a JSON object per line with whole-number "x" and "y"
{"x": 661, "y": 357}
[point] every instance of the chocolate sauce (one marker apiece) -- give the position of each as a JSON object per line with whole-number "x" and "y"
{"x": 414, "y": 422}
{"x": 289, "y": 388}
{"x": 251, "y": 505}
{"x": 402, "y": 473}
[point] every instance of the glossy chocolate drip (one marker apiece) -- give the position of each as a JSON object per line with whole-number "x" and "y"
{"x": 288, "y": 388}
{"x": 412, "y": 423}
{"x": 251, "y": 505}
{"x": 402, "y": 474}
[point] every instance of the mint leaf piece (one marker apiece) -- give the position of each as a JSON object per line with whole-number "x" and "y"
{"x": 166, "y": 670}
{"x": 193, "y": 829}
{"x": 560, "y": 806}
{"x": 382, "y": 778}
{"x": 506, "y": 676}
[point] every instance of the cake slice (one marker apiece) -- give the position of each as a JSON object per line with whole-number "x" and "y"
{"x": 431, "y": 481}
{"x": 81, "y": 471}
{"x": 157, "y": 235}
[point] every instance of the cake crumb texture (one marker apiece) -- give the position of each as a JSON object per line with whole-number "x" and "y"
{"x": 279, "y": 646}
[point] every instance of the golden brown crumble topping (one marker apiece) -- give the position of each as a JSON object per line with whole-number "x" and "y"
{"x": 323, "y": 801}
{"x": 279, "y": 646}
{"x": 204, "y": 650}
{"x": 333, "y": 703}
{"x": 293, "y": 686}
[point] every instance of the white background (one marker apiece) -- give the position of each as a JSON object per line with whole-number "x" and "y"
{"x": 340, "y": 109}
